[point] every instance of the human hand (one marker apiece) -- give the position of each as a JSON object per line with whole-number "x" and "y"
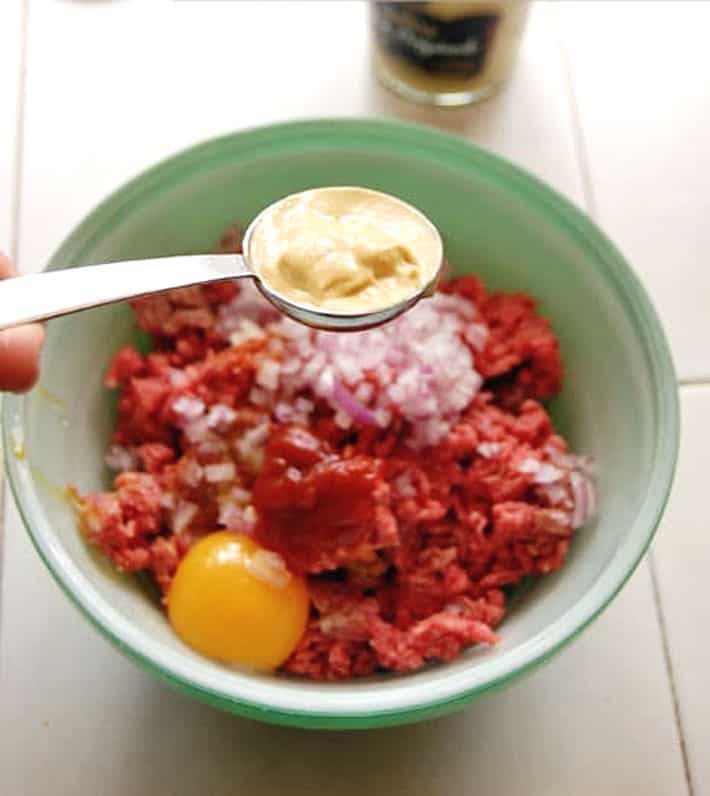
{"x": 19, "y": 347}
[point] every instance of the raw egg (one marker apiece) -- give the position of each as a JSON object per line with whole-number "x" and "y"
{"x": 236, "y": 602}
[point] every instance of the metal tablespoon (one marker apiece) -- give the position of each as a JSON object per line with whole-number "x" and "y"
{"x": 39, "y": 297}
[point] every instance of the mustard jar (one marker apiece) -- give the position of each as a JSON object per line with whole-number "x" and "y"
{"x": 446, "y": 53}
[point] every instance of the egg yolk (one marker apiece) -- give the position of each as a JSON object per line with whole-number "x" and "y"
{"x": 236, "y": 602}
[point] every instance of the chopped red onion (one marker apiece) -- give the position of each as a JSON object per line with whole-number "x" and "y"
{"x": 476, "y": 335}
{"x": 584, "y": 498}
{"x": 555, "y": 494}
{"x": 121, "y": 459}
{"x": 247, "y": 304}
{"x": 268, "y": 375}
{"x": 230, "y": 515}
{"x": 256, "y": 436}
{"x": 269, "y": 567}
{"x": 246, "y": 330}
{"x": 383, "y": 417}
{"x": 197, "y": 431}
{"x": 258, "y": 397}
{"x": 242, "y": 496}
{"x": 212, "y": 447}
{"x": 304, "y": 405}
{"x": 559, "y": 516}
{"x": 489, "y": 450}
{"x": 284, "y": 412}
{"x": 250, "y": 516}
{"x": 349, "y": 404}
{"x": 404, "y": 485}
{"x": 220, "y": 417}
{"x": 364, "y": 392}
{"x": 191, "y": 473}
{"x": 548, "y": 474}
{"x": 529, "y": 466}
{"x": 217, "y": 473}
{"x": 188, "y": 408}
{"x": 343, "y": 420}
{"x": 184, "y": 515}
{"x": 177, "y": 377}
{"x": 420, "y": 366}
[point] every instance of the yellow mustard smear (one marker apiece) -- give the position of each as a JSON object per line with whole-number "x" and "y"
{"x": 58, "y": 493}
{"x": 51, "y": 398}
{"x": 345, "y": 249}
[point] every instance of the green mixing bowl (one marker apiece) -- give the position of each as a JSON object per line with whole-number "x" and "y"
{"x": 619, "y": 402}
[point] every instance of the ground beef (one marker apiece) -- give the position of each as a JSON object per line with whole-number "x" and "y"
{"x": 413, "y": 484}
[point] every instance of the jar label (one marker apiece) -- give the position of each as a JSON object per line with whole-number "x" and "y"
{"x": 438, "y": 46}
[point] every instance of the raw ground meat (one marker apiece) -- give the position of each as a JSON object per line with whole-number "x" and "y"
{"x": 411, "y": 473}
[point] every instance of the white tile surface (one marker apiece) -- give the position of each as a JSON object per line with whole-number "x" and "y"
{"x": 78, "y": 718}
{"x": 114, "y": 86}
{"x": 640, "y": 74}
{"x": 682, "y": 562}
{"x": 10, "y": 58}
{"x": 104, "y": 101}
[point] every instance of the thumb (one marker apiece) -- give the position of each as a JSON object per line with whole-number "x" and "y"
{"x": 20, "y": 350}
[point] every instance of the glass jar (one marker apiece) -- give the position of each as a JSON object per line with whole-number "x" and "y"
{"x": 446, "y": 53}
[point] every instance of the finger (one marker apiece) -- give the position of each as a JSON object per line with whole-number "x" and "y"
{"x": 20, "y": 350}
{"x": 6, "y": 266}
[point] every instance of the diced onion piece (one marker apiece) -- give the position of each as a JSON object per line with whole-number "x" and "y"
{"x": 217, "y": 473}
{"x": 270, "y": 567}
{"x": 184, "y": 515}
{"x": 121, "y": 459}
{"x": 268, "y": 375}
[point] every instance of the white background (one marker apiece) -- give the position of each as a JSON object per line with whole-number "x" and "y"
{"x": 611, "y": 105}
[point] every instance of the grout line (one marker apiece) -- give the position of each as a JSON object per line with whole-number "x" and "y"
{"x": 655, "y": 589}
{"x": 15, "y": 234}
{"x": 19, "y": 133}
{"x": 581, "y": 152}
{"x": 698, "y": 381}
{"x": 579, "y": 142}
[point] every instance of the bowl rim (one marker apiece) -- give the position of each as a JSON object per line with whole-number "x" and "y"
{"x": 277, "y": 704}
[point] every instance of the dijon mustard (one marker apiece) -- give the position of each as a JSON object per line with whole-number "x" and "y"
{"x": 446, "y": 53}
{"x": 346, "y": 249}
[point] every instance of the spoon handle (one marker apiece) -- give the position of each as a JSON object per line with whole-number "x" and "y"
{"x": 38, "y": 297}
